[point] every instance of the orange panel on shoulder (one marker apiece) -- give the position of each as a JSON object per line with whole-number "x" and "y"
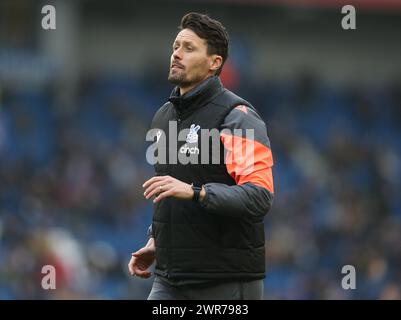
{"x": 248, "y": 161}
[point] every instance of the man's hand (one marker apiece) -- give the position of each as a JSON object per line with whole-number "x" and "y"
{"x": 142, "y": 260}
{"x": 166, "y": 186}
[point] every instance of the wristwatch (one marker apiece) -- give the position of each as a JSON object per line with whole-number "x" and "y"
{"x": 197, "y": 189}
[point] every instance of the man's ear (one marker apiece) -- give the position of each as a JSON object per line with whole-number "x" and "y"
{"x": 216, "y": 62}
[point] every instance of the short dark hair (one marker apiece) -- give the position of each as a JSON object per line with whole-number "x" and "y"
{"x": 210, "y": 30}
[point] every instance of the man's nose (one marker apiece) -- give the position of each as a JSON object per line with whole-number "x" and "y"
{"x": 177, "y": 54}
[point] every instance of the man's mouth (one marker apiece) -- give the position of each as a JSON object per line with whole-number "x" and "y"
{"x": 176, "y": 65}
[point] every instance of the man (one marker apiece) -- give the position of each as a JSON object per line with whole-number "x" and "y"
{"x": 207, "y": 234}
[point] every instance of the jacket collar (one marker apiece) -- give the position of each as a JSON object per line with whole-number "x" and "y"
{"x": 197, "y": 96}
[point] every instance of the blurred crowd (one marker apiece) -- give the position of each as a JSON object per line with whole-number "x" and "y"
{"x": 338, "y": 176}
{"x": 71, "y": 187}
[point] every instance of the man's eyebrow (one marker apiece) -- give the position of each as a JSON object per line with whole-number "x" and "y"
{"x": 185, "y": 42}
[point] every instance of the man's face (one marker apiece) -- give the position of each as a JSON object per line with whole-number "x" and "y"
{"x": 190, "y": 62}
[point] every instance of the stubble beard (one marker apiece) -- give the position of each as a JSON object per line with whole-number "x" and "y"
{"x": 179, "y": 78}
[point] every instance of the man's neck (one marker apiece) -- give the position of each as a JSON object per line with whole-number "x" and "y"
{"x": 184, "y": 90}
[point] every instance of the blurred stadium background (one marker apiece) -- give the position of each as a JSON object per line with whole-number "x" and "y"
{"x": 75, "y": 104}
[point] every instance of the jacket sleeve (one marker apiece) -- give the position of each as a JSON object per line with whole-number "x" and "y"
{"x": 249, "y": 160}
